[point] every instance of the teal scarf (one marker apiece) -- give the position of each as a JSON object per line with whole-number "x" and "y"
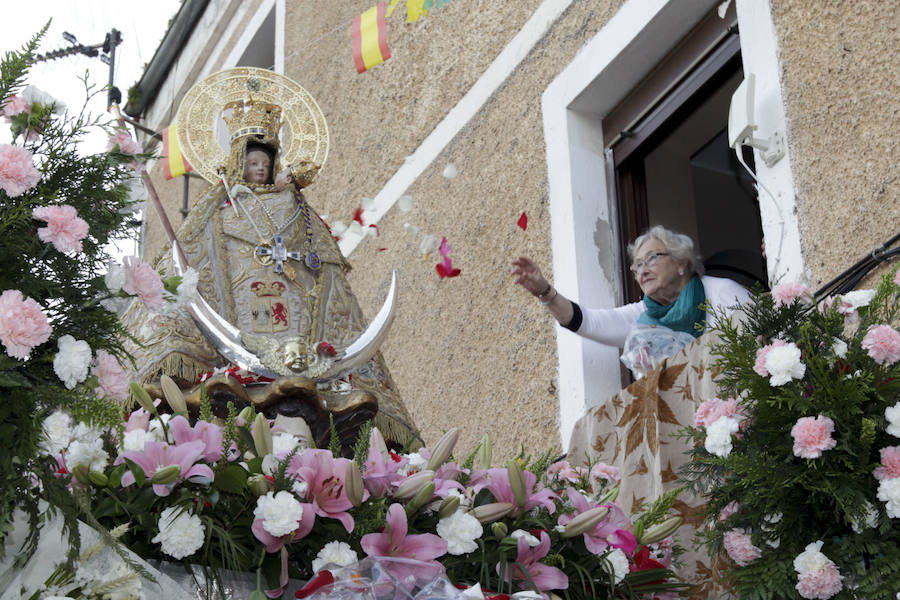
{"x": 683, "y": 314}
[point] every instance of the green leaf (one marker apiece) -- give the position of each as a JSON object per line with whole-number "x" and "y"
{"x": 115, "y": 476}
{"x": 137, "y": 471}
{"x": 11, "y": 379}
{"x": 231, "y": 479}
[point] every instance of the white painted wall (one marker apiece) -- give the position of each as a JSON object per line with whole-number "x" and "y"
{"x": 584, "y": 253}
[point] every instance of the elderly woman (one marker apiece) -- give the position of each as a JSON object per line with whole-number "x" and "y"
{"x": 671, "y": 315}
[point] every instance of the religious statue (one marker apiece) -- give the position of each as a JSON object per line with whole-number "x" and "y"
{"x": 272, "y": 280}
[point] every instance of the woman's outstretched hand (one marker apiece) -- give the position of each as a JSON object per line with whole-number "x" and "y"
{"x": 528, "y": 275}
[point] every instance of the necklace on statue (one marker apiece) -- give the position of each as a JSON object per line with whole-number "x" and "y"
{"x": 271, "y": 249}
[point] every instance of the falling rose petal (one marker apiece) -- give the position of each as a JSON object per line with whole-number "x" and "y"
{"x": 380, "y": 249}
{"x": 368, "y": 204}
{"x": 429, "y": 244}
{"x": 338, "y": 228}
{"x": 409, "y": 159}
{"x": 372, "y": 230}
{"x": 445, "y": 267}
{"x": 410, "y": 228}
{"x": 356, "y": 228}
{"x": 450, "y": 171}
{"x": 523, "y": 222}
{"x": 357, "y": 216}
{"x": 404, "y": 203}
{"x": 442, "y": 271}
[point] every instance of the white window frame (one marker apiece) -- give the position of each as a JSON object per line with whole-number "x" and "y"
{"x": 582, "y": 207}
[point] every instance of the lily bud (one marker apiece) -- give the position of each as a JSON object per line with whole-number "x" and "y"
{"x": 166, "y": 475}
{"x": 499, "y": 529}
{"x": 448, "y": 507}
{"x": 485, "y": 453}
{"x": 610, "y": 496}
{"x": 81, "y": 474}
{"x": 517, "y": 482}
{"x": 661, "y": 531}
{"x": 173, "y": 395}
{"x": 247, "y": 414}
{"x": 584, "y": 522}
{"x": 488, "y": 513}
{"x": 259, "y": 485}
{"x": 143, "y": 398}
{"x": 443, "y": 449}
{"x": 353, "y": 484}
{"x": 262, "y": 435}
{"x": 638, "y": 530}
{"x": 410, "y": 486}
{"x": 98, "y": 478}
{"x": 376, "y": 440}
{"x": 419, "y": 500}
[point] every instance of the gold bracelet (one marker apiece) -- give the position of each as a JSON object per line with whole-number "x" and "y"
{"x": 550, "y": 299}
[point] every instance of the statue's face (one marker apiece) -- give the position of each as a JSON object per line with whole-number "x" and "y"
{"x": 257, "y": 167}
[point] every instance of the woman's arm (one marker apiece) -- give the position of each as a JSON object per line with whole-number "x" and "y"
{"x": 529, "y": 276}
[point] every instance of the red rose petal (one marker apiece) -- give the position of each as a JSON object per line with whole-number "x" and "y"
{"x": 523, "y": 222}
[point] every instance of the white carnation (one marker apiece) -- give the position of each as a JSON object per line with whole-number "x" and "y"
{"x": 115, "y": 277}
{"x": 57, "y": 429}
{"x": 416, "y": 462}
{"x": 135, "y": 439}
{"x": 839, "y": 347}
{"x": 73, "y": 360}
{"x": 892, "y": 414}
{"x": 156, "y": 427}
{"x": 300, "y": 489}
{"x": 460, "y": 530}
{"x": 334, "y": 553}
{"x": 889, "y": 493}
{"x": 533, "y": 542}
{"x": 283, "y": 443}
{"x": 811, "y": 559}
{"x": 619, "y": 563}
{"x": 280, "y": 513}
{"x": 91, "y": 454}
{"x": 180, "y": 533}
{"x": 783, "y": 364}
{"x": 718, "y": 436}
{"x": 858, "y": 298}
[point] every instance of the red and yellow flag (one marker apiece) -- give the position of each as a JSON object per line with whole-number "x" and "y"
{"x": 174, "y": 162}
{"x": 369, "y": 33}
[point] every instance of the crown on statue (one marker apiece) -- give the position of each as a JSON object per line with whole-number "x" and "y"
{"x": 251, "y": 117}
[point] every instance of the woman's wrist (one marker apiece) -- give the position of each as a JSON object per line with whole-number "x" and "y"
{"x": 545, "y": 292}
{"x": 549, "y": 296}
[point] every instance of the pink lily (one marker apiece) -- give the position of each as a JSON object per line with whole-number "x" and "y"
{"x": 445, "y": 480}
{"x": 325, "y": 477}
{"x": 209, "y": 433}
{"x": 158, "y": 455}
{"x": 536, "y": 494}
{"x": 614, "y": 524}
{"x": 544, "y": 576}
{"x": 381, "y": 472}
{"x": 139, "y": 419}
{"x": 395, "y": 542}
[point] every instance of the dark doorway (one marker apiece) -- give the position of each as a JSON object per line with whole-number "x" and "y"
{"x": 674, "y": 166}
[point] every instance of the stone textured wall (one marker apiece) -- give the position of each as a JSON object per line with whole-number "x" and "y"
{"x": 475, "y": 351}
{"x": 842, "y": 94}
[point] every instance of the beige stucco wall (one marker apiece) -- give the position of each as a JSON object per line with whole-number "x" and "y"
{"x": 842, "y": 95}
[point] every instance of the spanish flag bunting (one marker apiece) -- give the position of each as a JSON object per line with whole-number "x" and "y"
{"x": 174, "y": 162}
{"x": 370, "y": 39}
{"x": 415, "y": 9}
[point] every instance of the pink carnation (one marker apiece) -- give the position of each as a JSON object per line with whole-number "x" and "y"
{"x": 23, "y": 325}
{"x": 17, "y": 171}
{"x": 740, "y": 548}
{"x": 125, "y": 142}
{"x": 812, "y": 436}
{"x": 890, "y": 463}
{"x": 820, "y": 584}
{"x": 711, "y": 411}
{"x": 15, "y": 105}
{"x": 786, "y": 293}
{"x": 112, "y": 379}
{"x": 563, "y": 471}
{"x": 760, "y": 365}
{"x": 728, "y": 510}
{"x": 607, "y": 472}
{"x": 143, "y": 281}
{"x": 883, "y": 344}
{"x": 65, "y": 229}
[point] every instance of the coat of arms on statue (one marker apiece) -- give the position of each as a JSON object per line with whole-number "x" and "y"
{"x": 269, "y": 311}
{"x": 273, "y": 282}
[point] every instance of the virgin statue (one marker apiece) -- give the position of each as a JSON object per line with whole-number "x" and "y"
{"x": 275, "y": 313}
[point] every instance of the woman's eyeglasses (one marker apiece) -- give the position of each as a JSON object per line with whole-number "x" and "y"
{"x": 647, "y": 261}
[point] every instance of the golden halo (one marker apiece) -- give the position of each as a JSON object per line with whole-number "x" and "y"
{"x": 304, "y": 135}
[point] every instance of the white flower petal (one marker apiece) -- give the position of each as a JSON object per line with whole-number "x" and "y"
{"x": 450, "y": 171}
{"x": 404, "y": 203}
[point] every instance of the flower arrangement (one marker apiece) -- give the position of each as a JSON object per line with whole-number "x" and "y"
{"x": 247, "y": 495}
{"x": 801, "y": 462}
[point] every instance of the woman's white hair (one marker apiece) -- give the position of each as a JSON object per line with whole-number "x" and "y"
{"x": 679, "y": 246}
